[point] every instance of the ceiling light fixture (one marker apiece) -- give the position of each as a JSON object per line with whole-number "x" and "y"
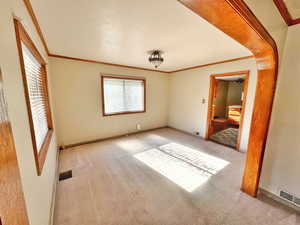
{"x": 155, "y": 57}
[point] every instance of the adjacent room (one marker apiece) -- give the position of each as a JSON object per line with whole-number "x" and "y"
{"x": 228, "y": 100}
{"x": 149, "y": 112}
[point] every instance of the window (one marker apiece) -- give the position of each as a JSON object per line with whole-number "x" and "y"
{"x": 123, "y": 95}
{"x": 34, "y": 74}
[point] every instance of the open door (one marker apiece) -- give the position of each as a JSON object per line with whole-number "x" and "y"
{"x": 226, "y": 108}
{"x": 12, "y": 203}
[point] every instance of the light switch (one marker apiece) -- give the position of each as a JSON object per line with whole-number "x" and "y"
{"x": 203, "y": 101}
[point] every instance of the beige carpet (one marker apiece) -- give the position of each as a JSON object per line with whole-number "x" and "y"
{"x": 163, "y": 177}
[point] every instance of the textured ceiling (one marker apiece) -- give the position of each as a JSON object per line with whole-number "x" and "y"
{"x": 122, "y": 31}
{"x": 293, "y": 8}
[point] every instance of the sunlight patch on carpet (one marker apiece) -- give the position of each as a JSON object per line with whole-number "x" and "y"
{"x": 186, "y": 167}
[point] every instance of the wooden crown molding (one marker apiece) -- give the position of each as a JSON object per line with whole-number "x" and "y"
{"x": 36, "y": 23}
{"x": 212, "y": 64}
{"x": 141, "y": 68}
{"x": 104, "y": 63}
{"x": 280, "y": 4}
{"x": 39, "y": 31}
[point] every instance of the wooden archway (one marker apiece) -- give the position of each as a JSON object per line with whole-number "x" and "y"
{"x": 235, "y": 19}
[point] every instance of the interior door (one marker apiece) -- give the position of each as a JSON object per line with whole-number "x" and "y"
{"x": 12, "y": 204}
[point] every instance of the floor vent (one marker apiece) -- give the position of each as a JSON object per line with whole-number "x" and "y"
{"x": 297, "y": 201}
{"x": 290, "y": 197}
{"x": 286, "y": 196}
{"x": 65, "y": 175}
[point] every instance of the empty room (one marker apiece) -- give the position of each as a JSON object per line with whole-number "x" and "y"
{"x": 149, "y": 112}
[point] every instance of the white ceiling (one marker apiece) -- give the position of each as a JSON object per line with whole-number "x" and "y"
{"x": 122, "y": 31}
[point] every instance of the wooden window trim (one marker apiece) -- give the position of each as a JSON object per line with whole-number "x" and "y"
{"x": 23, "y": 37}
{"x": 123, "y": 78}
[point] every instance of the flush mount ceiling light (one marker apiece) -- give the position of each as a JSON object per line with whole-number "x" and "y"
{"x": 155, "y": 57}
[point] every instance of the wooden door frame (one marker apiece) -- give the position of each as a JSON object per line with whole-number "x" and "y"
{"x": 212, "y": 88}
{"x": 234, "y": 18}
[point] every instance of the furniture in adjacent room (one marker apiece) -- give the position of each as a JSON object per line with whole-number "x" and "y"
{"x": 234, "y": 114}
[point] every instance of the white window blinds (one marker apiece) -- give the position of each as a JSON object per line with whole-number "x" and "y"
{"x": 37, "y": 99}
{"x": 123, "y": 95}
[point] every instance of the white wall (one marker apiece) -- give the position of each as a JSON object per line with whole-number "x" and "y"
{"x": 220, "y": 101}
{"x": 281, "y": 165}
{"x": 37, "y": 189}
{"x": 234, "y": 95}
{"x": 78, "y": 102}
{"x": 188, "y": 88}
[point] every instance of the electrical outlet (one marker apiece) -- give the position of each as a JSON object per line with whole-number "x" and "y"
{"x": 138, "y": 126}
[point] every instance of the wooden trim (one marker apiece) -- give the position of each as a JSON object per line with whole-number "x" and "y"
{"x": 41, "y": 156}
{"x": 104, "y": 63}
{"x": 12, "y": 202}
{"x": 243, "y": 72}
{"x": 106, "y": 75}
{"x": 36, "y": 24}
{"x": 108, "y": 138}
{"x": 122, "y": 78}
{"x": 212, "y": 64}
{"x": 280, "y": 4}
{"x": 23, "y": 37}
{"x": 212, "y": 90}
{"x": 141, "y": 68}
{"x": 248, "y": 31}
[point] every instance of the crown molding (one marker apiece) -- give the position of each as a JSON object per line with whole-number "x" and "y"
{"x": 39, "y": 31}
{"x": 212, "y": 64}
{"x": 142, "y": 68}
{"x": 36, "y": 23}
{"x": 280, "y": 4}
{"x": 104, "y": 63}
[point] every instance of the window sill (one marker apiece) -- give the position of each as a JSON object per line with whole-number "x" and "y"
{"x": 123, "y": 113}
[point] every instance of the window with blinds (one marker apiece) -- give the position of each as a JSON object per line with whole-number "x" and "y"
{"x": 34, "y": 75}
{"x": 123, "y": 95}
{"x": 37, "y": 99}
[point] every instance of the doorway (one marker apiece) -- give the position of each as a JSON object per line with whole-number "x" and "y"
{"x": 248, "y": 31}
{"x": 226, "y": 108}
